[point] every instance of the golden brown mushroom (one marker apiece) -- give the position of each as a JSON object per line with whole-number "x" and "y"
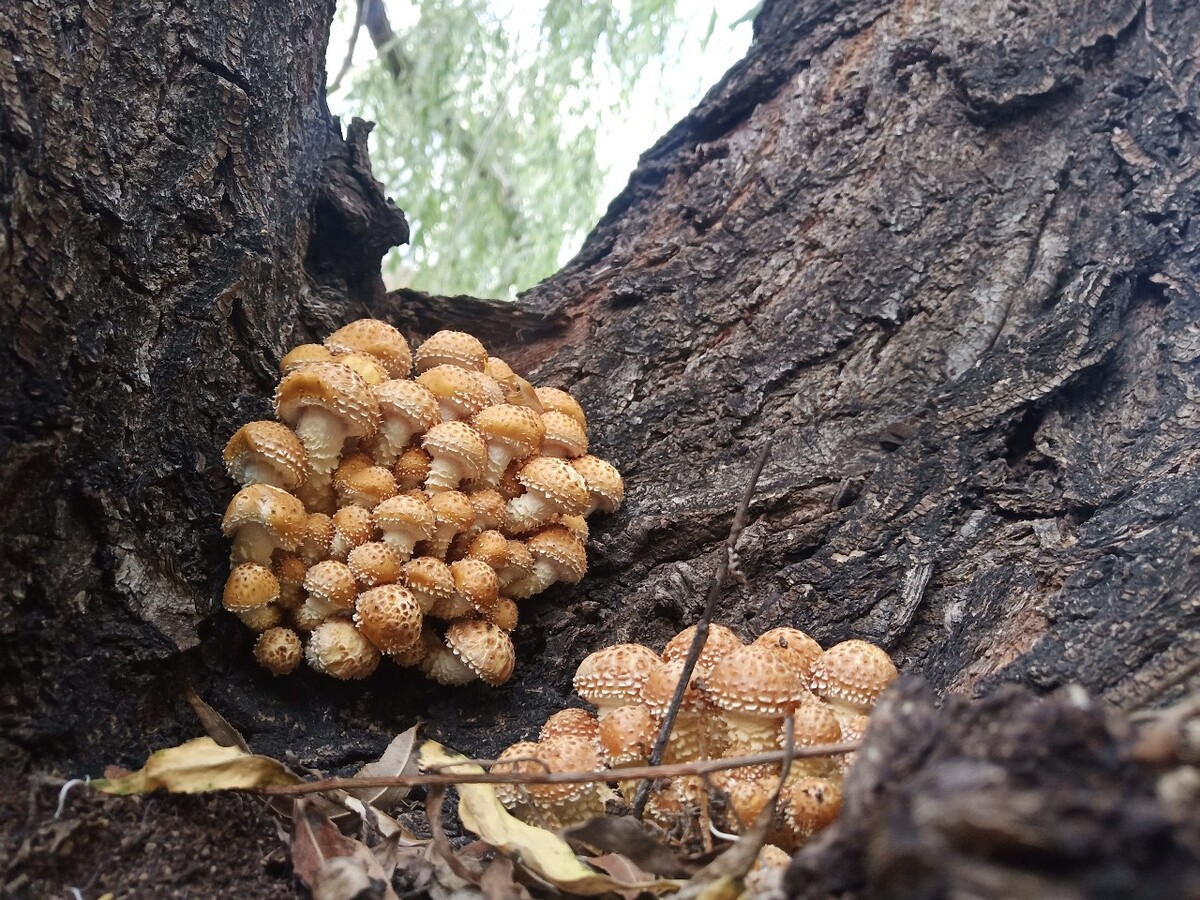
{"x": 278, "y": 650}
{"x": 266, "y": 453}
{"x": 376, "y": 339}
{"x": 337, "y": 648}
{"x": 262, "y": 519}
{"x": 451, "y": 348}
{"x": 326, "y": 403}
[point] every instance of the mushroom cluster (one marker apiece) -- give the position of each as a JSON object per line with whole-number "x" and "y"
{"x": 404, "y": 517}
{"x": 737, "y": 703}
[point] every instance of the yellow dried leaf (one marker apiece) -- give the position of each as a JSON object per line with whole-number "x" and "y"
{"x": 197, "y": 766}
{"x": 544, "y": 854}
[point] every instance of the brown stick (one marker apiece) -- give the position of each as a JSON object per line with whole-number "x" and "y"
{"x": 701, "y": 635}
{"x": 701, "y": 767}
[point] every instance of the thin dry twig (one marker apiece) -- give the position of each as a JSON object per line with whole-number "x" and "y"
{"x": 701, "y": 635}
{"x": 638, "y": 773}
{"x": 360, "y": 17}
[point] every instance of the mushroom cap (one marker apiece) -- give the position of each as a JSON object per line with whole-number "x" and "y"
{"x": 756, "y": 682}
{"x": 800, "y": 650}
{"x": 458, "y": 443}
{"x": 377, "y": 339}
{"x": 452, "y": 509}
{"x": 351, "y": 464}
{"x": 261, "y": 618}
{"x": 249, "y": 586}
{"x": 443, "y": 665}
{"x": 307, "y": 616}
{"x": 331, "y": 583}
{"x": 747, "y": 795}
{"x": 504, "y": 614}
{"x": 418, "y": 649}
{"x": 627, "y": 734}
{"x": 318, "y": 535}
{"x": 517, "y": 390}
{"x": 519, "y": 757}
{"x": 476, "y": 582}
{"x": 281, "y": 514}
{"x": 555, "y": 480}
{"x": 389, "y": 616}
{"x": 501, "y": 371}
{"x": 720, "y": 642}
{"x": 485, "y": 649}
{"x": 409, "y": 401}
{"x": 605, "y": 487}
{"x": 303, "y": 355}
{"x": 270, "y": 449}
{"x": 337, "y": 648}
{"x": 489, "y": 546}
{"x": 853, "y": 674}
{"x": 366, "y": 487}
{"x": 813, "y": 723}
{"x": 338, "y": 389}
{"x": 407, "y": 514}
{"x": 508, "y": 485}
{"x": 558, "y": 400}
{"x": 489, "y": 508}
{"x": 564, "y": 435}
{"x": 517, "y": 428}
{"x": 290, "y": 572}
{"x": 520, "y": 560}
{"x": 371, "y": 370}
{"x": 411, "y": 469}
{"x": 660, "y": 685}
{"x": 278, "y": 650}
{"x": 578, "y": 722}
{"x": 566, "y": 753}
{"x": 557, "y": 545}
{"x": 374, "y": 563}
{"x": 352, "y": 526}
{"x": 429, "y": 579}
{"x": 451, "y": 348}
{"x": 809, "y": 805}
{"x": 464, "y": 393}
{"x": 577, "y": 525}
{"x": 614, "y": 675}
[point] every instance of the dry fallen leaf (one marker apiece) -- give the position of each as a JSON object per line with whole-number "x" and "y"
{"x": 624, "y": 835}
{"x": 542, "y": 853}
{"x": 397, "y": 759}
{"x": 199, "y": 765}
{"x": 334, "y": 866}
{"x": 215, "y": 724}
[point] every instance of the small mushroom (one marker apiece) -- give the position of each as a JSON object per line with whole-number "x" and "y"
{"x": 278, "y": 650}
{"x": 512, "y": 433}
{"x": 552, "y": 488}
{"x": 627, "y": 734}
{"x": 564, "y": 436}
{"x": 406, "y": 408}
{"x": 696, "y": 733}
{"x": 374, "y": 563}
{"x": 303, "y": 355}
{"x": 485, "y": 649}
{"x": 460, "y": 393}
{"x": 326, "y": 403}
{"x": 411, "y": 469}
{"x": 290, "y": 572}
{"x": 261, "y": 519}
{"x": 614, "y": 675}
{"x": 366, "y": 487}
{"x": 477, "y": 589}
{"x": 561, "y": 805}
{"x": 851, "y": 675}
{"x": 573, "y": 721}
{"x": 443, "y": 665}
{"x": 266, "y": 453}
{"x": 249, "y": 586}
{"x": 402, "y": 521}
{"x": 371, "y": 370}
{"x": 337, "y": 648}
{"x": 719, "y": 642}
{"x": 376, "y": 339}
{"x": 557, "y": 400}
{"x": 261, "y": 618}
{"x": 430, "y": 580}
{"x": 800, "y": 650}
{"x": 489, "y": 509}
{"x": 605, "y": 487}
{"x": 331, "y": 587}
{"x": 452, "y": 514}
{"x": 389, "y": 617}
{"x": 457, "y": 454}
{"x": 451, "y": 348}
{"x": 757, "y": 690}
{"x": 558, "y": 555}
{"x": 318, "y": 535}
{"x": 352, "y": 527}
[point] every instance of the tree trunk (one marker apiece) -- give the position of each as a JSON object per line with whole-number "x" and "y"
{"x": 940, "y": 256}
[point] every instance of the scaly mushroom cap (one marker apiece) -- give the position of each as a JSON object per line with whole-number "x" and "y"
{"x": 389, "y": 617}
{"x": 557, "y": 400}
{"x": 261, "y": 618}
{"x": 747, "y": 795}
{"x": 851, "y": 675}
{"x": 813, "y": 723}
{"x": 303, "y": 355}
{"x": 452, "y": 514}
{"x": 485, "y": 649}
{"x": 261, "y": 519}
{"x": 366, "y": 487}
{"x": 765, "y": 878}
{"x": 441, "y": 664}
{"x": 278, "y": 650}
{"x": 430, "y": 580}
{"x": 249, "y": 586}
{"x": 266, "y": 453}
{"x": 377, "y": 339}
{"x": 511, "y": 432}
{"x": 756, "y": 689}
{"x": 809, "y": 805}
{"x": 577, "y": 525}
{"x": 552, "y": 488}
{"x": 419, "y": 649}
{"x": 605, "y": 487}
{"x": 504, "y": 614}
{"x": 489, "y": 546}
{"x": 795, "y": 646}
{"x": 613, "y": 676}
{"x": 457, "y": 452}
{"x": 374, "y": 563}
{"x": 451, "y": 348}
{"x": 558, "y": 555}
{"x": 331, "y": 586}
{"x": 305, "y": 617}
{"x": 351, "y": 464}
{"x": 719, "y": 643}
{"x": 406, "y": 409}
{"x": 337, "y": 648}
{"x": 691, "y": 738}
{"x": 326, "y": 403}
{"x": 460, "y": 393}
{"x": 290, "y": 572}
{"x": 352, "y": 527}
{"x": 577, "y": 722}
{"x": 509, "y": 487}
{"x": 627, "y": 734}
{"x": 411, "y": 469}
{"x": 318, "y": 535}
{"x": 519, "y": 565}
{"x": 477, "y": 584}
{"x": 563, "y": 804}
{"x": 564, "y": 436}
{"x": 519, "y": 757}
{"x": 403, "y": 521}
{"x": 489, "y": 510}
{"x": 371, "y": 370}
{"x": 517, "y": 390}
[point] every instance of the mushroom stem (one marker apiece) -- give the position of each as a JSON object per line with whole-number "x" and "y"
{"x": 322, "y": 435}
{"x": 254, "y": 543}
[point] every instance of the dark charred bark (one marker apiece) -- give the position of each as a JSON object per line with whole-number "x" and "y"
{"x": 942, "y": 256}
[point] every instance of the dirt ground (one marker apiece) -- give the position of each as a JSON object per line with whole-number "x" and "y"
{"x": 159, "y": 846}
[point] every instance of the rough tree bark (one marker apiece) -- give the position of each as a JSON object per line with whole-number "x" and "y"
{"x": 940, "y": 254}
